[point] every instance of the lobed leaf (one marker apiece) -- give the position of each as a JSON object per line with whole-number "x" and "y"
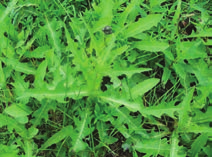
{"x": 42, "y": 112}
{"x": 161, "y": 109}
{"x": 184, "y": 119}
{"x": 82, "y": 130}
{"x": 115, "y": 102}
{"x": 58, "y": 93}
{"x": 13, "y": 124}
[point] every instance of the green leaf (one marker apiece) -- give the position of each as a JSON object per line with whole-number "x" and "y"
{"x": 103, "y": 135}
{"x": 202, "y": 72}
{"x": 42, "y": 112}
{"x": 57, "y": 137}
{"x": 58, "y": 93}
{"x": 205, "y": 33}
{"x": 152, "y": 46}
{"x": 123, "y": 17}
{"x": 32, "y": 131}
{"x": 168, "y": 54}
{"x": 80, "y": 57}
{"x": 133, "y": 123}
{"x": 8, "y": 28}
{"x": 202, "y": 117}
{"x": 29, "y": 148}
{"x": 161, "y": 109}
{"x": 153, "y": 147}
{"x": 117, "y": 71}
{"x": 176, "y": 150}
{"x": 18, "y": 110}
{"x": 40, "y": 74}
{"x": 142, "y": 25}
{"x": 198, "y": 144}
{"x": 166, "y": 75}
{"x": 191, "y": 50}
{"x": 118, "y": 101}
{"x": 105, "y": 9}
{"x": 52, "y": 30}
{"x": 184, "y": 119}
{"x": 39, "y": 52}
{"x": 156, "y": 2}
{"x": 20, "y": 85}
{"x": 9, "y": 8}
{"x": 8, "y": 151}
{"x": 108, "y": 55}
{"x": 143, "y": 87}
{"x": 81, "y": 131}
{"x": 13, "y": 124}
{"x": 181, "y": 69}
{"x": 193, "y": 128}
{"x": 2, "y": 78}
{"x": 18, "y": 66}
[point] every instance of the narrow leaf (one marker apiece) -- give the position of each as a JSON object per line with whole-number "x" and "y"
{"x": 9, "y": 8}
{"x": 2, "y": 78}
{"x": 40, "y": 74}
{"x": 184, "y": 119}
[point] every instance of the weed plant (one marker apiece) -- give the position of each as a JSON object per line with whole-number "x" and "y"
{"x": 105, "y": 78}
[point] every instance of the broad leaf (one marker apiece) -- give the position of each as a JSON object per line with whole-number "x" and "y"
{"x": 198, "y": 144}
{"x": 18, "y": 110}
{"x": 152, "y": 46}
{"x": 143, "y": 24}
{"x": 57, "y": 137}
{"x": 176, "y": 150}
{"x": 143, "y": 87}
{"x": 191, "y": 50}
{"x": 8, "y": 150}
{"x": 153, "y": 147}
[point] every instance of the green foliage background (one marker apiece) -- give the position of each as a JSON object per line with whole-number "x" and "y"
{"x": 69, "y": 89}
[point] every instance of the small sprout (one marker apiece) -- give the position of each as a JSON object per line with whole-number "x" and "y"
{"x": 107, "y": 30}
